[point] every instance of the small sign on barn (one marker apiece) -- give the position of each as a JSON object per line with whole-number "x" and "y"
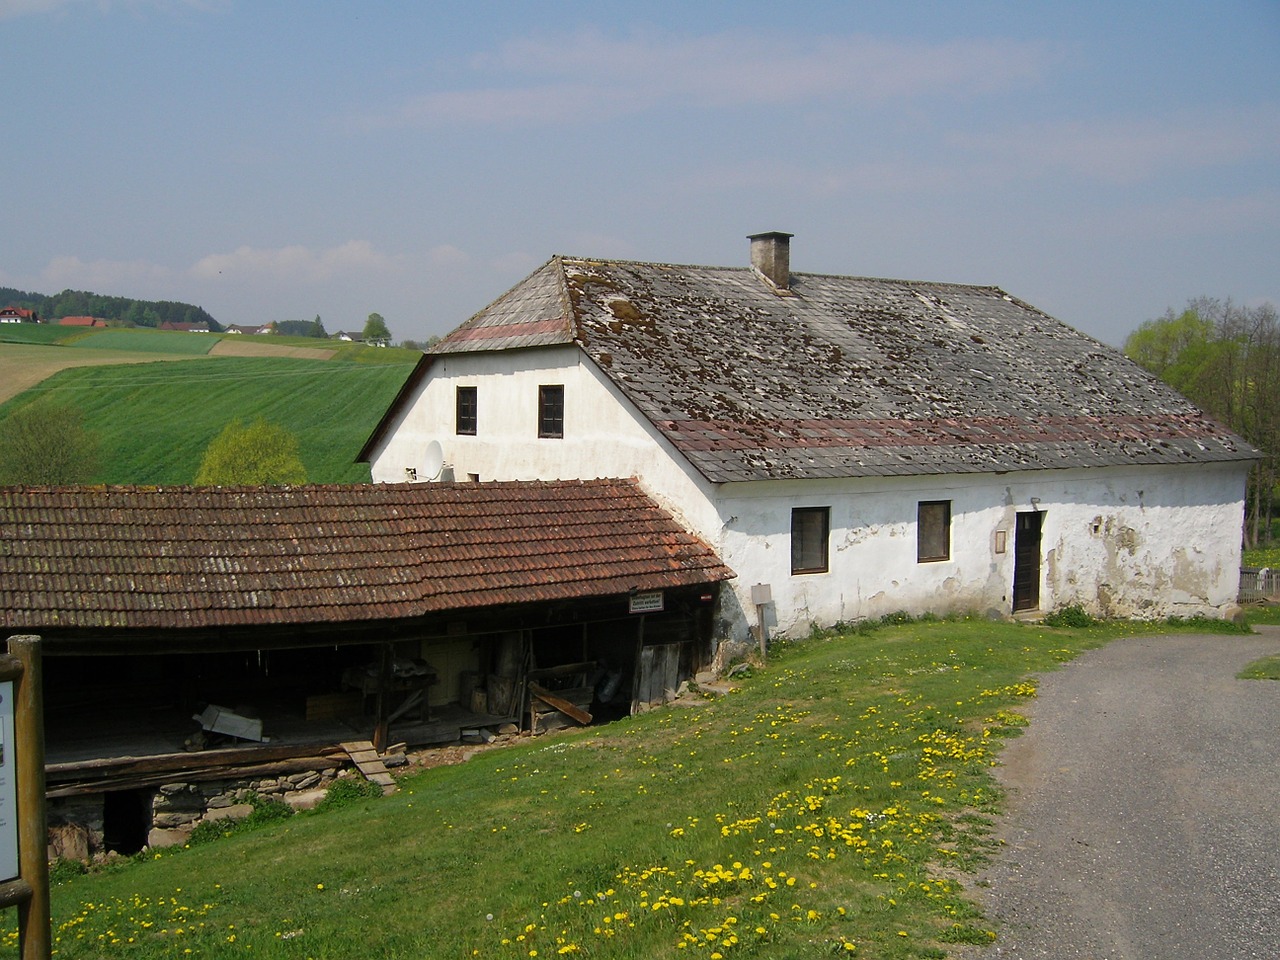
{"x": 651, "y": 602}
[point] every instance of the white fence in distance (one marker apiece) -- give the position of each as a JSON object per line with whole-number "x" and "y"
{"x": 1259, "y": 585}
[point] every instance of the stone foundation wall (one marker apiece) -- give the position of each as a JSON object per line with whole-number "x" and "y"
{"x": 76, "y": 824}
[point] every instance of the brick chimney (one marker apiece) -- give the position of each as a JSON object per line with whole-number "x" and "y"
{"x": 771, "y": 257}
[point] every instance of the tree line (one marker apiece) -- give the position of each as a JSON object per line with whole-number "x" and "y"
{"x": 124, "y": 310}
{"x": 129, "y": 312}
{"x": 1225, "y": 358}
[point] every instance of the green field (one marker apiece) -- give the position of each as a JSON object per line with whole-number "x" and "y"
{"x": 154, "y": 420}
{"x": 148, "y": 341}
{"x": 835, "y": 804}
{"x": 37, "y": 333}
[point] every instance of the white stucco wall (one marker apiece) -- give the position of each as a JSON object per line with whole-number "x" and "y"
{"x": 603, "y": 434}
{"x": 1122, "y": 542}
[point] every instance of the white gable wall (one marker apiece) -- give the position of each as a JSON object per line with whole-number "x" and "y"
{"x": 603, "y": 435}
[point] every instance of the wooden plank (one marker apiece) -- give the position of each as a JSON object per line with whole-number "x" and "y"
{"x": 133, "y": 781}
{"x": 670, "y": 671}
{"x": 587, "y": 667}
{"x": 369, "y": 763}
{"x": 185, "y": 761}
{"x": 559, "y": 703}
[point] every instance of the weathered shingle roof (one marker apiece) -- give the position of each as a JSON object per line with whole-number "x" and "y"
{"x": 849, "y": 376}
{"x": 199, "y": 557}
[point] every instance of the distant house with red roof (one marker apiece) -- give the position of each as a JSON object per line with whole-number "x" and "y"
{"x": 82, "y": 322}
{"x": 18, "y": 315}
{"x": 201, "y": 327}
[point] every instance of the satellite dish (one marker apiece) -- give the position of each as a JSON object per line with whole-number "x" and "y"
{"x": 434, "y": 460}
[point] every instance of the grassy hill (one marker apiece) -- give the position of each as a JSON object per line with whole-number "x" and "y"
{"x": 155, "y": 398}
{"x": 833, "y": 805}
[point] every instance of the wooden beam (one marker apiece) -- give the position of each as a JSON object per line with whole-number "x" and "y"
{"x": 559, "y": 703}
{"x": 134, "y": 781}
{"x": 35, "y": 931}
{"x": 14, "y": 892}
{"x": 589, "y": 666}
{"x": 199, "y": 760}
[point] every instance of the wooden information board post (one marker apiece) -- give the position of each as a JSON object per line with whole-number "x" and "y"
{"x": 24, "y": 863}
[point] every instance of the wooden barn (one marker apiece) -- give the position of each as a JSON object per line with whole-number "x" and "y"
{"x": 206, "y": 637}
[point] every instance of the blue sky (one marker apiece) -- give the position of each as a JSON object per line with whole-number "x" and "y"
{"x": 279, "y": 160}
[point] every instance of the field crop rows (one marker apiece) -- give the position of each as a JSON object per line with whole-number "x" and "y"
{"x": 154, "y": 420}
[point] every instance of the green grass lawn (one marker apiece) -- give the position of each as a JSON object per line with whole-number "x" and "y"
{"x": 37, "y": 333}
{"x": 833, "y": 805}
{"x": 1262, "y": 557}
{"x": 154, "y": 420}
{"x": 147, "y": 341}
{"x": 1266, "y": 556}
{"x": 1267, "y": 668}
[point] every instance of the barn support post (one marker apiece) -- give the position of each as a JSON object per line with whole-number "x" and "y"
{"x": 635, "y": 680}
{"x": 381, "y": 709}
{"x": 29, "y": 892}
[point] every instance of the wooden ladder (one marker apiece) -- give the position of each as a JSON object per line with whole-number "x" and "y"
{"x": 370, "y": 765}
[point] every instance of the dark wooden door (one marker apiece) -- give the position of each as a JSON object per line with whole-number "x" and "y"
{"x": 1026, "y": 561}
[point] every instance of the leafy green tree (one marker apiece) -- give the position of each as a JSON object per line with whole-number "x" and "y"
{"x": 375, "y": 330}
{"x": 252, "y": 454}
{"x": 1226, "y": 359}
{"x": 317, "y": 329}
{"x": 46, "y": 442}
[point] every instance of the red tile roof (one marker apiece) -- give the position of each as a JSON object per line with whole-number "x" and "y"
{"x": 201, "y": 557}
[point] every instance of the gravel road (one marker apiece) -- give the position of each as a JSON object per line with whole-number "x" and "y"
{"x": 1144, "y": 809}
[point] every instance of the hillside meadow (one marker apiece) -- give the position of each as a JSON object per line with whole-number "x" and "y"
{"x": 835, "y": 803}
{"x": 155, "y": 399}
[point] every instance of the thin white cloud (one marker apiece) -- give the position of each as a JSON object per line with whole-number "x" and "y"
{"x": 294, "y": 264}
{"x": 588, "y": 76}
{"x": 72, "y": 273}
{"x": 1223, "y": 216}
{"x": 1126, "y": 150}
{"x": 11, "y": 9}
{"x": 880, "y": 177}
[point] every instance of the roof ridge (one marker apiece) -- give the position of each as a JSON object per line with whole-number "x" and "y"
{"x": 795, "y": 273}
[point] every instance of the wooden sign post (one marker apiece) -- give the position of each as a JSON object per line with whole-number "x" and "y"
{"x": 22, "y": 813}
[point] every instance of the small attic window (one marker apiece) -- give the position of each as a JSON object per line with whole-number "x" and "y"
{"x": 551, "y": 411}
{"x": 466, "y": 410}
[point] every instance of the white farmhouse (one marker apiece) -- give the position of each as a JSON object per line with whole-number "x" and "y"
{"x": 851, "y": 447}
